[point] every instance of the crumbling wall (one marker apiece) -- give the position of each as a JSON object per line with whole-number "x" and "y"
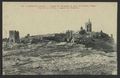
{"x": 14, "y": 36}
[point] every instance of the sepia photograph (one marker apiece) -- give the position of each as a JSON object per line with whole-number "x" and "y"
{"x": 59, "y": 38}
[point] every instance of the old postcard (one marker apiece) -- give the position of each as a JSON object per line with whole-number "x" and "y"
{"x": 59, "y": 38}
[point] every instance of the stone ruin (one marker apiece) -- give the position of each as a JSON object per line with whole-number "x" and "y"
{"x": 13, "y": 40}
{"x": 14, "y": 36}
{"x": 84, "y": 36}
{"x": 69, "y": 35}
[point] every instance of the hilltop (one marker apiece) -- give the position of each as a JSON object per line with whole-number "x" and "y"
{"x": 82, "y": 52}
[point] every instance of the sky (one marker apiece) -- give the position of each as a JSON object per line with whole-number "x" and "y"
{"x": 53, "y": 17}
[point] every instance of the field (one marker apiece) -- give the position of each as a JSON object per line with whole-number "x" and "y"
{"x": 58, "y": 58}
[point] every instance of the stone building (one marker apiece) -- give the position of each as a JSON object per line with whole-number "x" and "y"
{"x": 14, "y": 36}
{"x": 88, "y": 26}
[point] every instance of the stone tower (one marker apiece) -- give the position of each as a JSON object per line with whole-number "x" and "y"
{"x": 14, "y": 36}
{"x": 88, "y": 26}
{"x": 69, "y": 35}
{"x": 81, "y": 28}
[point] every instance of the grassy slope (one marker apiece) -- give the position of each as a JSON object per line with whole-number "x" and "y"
{"x": 61, "y": 59}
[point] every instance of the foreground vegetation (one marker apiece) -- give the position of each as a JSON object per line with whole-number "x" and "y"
{"x": 57, "y": 58}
